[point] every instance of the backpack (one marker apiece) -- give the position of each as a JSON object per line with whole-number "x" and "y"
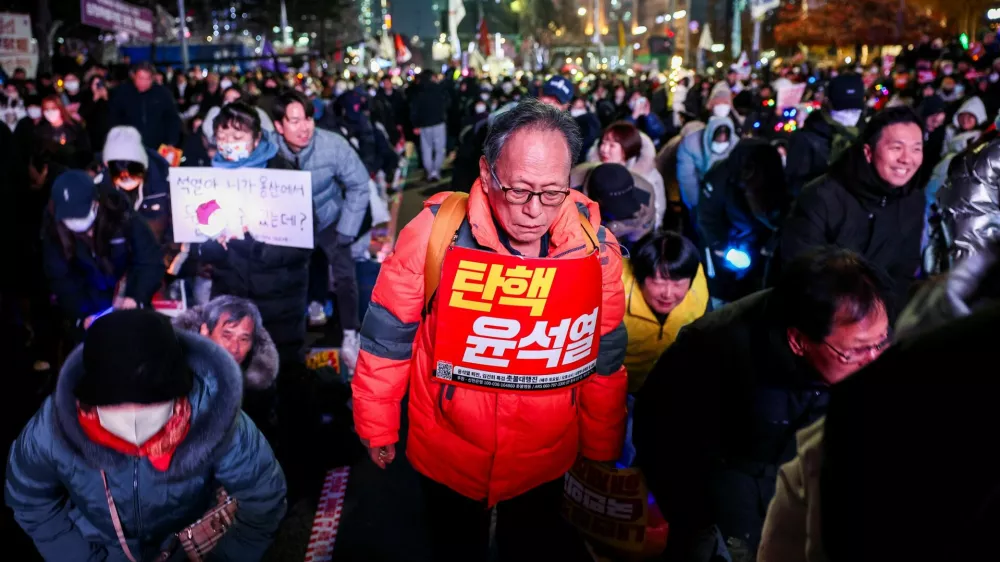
{"x": 444, "y": 232}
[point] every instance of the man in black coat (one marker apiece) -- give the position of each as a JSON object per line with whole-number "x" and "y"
{"x": 147, "y": 106}
{"x": 827, "y": 133}
{"x": 718, "y": 414}
{"x": 870, "y": 202}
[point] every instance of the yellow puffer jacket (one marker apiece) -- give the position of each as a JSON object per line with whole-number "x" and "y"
{"x": 647, "y": 338}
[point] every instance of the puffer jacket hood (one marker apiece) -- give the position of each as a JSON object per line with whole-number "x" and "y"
{"x": 58, "y": 480}
{"x": 711, "y": 127}
{"x": 262, "y": 365}
{"x": 976, "y": 107}
{"x": 215, "y": 403}
{"x": 486, "y": 445}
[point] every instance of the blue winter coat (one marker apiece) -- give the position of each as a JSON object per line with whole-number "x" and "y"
{"x": 695, "y": 157}
{"x": 54, "y": 473}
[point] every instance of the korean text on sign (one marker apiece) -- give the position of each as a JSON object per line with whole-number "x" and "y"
{"x": 521, "y": 324}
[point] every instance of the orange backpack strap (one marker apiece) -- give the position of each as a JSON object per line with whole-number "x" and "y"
{"x": 446, "y": 223}
{"x": 591, "y": 234}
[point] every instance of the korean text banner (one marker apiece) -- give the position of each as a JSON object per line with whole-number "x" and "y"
{"x": 16, "y": 47}
{"x": 118, "y": 16}
{"x": 509, "y": 323}
{"x": 274, "y": 205}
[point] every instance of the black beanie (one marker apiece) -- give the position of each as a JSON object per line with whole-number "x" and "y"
{"x": 613, "y": 188}
{"x": 132, "y": 356}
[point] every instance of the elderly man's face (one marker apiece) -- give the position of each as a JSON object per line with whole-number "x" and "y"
{"x": 234, "y": 337}
{"x": 535, "y": 161}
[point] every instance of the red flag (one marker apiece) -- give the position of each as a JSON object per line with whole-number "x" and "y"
{"x": 402, "y": 53}
{"x": 485, "y": 45}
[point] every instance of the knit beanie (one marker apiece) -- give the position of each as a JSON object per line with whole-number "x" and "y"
{"x": 613, "y": 188}
{"x": 721, "y": 94}
{"x": 132, "y": 356}
{"x": 124, "y": 143}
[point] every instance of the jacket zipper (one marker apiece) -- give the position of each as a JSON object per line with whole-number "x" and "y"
{"x": 135, "y": 500}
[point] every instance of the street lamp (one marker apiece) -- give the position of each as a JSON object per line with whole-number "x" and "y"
{"x": 581, "y": 12}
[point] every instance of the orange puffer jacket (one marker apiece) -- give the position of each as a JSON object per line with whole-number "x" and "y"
{"x": 485, "y": 445}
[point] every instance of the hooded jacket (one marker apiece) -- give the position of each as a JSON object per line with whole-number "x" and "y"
{"x": 54, "y": 473}
{"x": 339, "y": 181}
{"x": 955, "y": 140}
{"x": 812, "y": 149}
{"x": 262, "y": 363}
{"x": 485, "y": 445}
{"x": 695, "y": 157}
{"x": 852, "y": 207}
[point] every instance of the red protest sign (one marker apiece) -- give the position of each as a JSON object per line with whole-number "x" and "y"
{"x": 509, "y": 323}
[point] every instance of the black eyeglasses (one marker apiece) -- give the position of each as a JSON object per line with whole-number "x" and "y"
{"x": 857, "y": 354}
{"x": 522, "y": 196}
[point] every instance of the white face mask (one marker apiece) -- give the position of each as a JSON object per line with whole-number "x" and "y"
{"x": 507, "y": 87}
{"x": 578, "y": 112}
{"x": 480, "y": 108}
{"x": 720, "y": 147}
{"x": 846, "y": 117}
{"x": 994, "y": 77}
{"x": 72, "y": 87}
{"x": 371, "y": 92}
{"x": 51, "y": 115}
{"x": 127, "y": 184}
{"x": 136, "y": 424}
{"x": 234, "y": 151}
{"x": 619, "y": 98}
{"x": 226, "y": 84}
{"x": 35, "y": 112}
{"x": 485, "y": 96}
{"x": 947, "y": 70}
{"x": 721, "y": 110}
{"x": 82, "y": 224}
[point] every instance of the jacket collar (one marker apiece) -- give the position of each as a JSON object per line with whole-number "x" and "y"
{"x": 565, "y": 232}
{"x": 215, "y": 404}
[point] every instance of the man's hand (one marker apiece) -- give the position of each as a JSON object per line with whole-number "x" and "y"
{"x": 416, "y": 130}
{"x": 382, "y": 456}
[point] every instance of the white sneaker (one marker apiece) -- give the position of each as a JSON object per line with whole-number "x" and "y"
{"x": 317, "y": 316}
{"x": 349, "y": 350}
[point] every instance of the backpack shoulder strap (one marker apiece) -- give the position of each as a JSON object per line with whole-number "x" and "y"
{"x": 447, "y": 221}
{"x": 588, "y": 229}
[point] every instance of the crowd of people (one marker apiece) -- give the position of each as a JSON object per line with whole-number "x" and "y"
{"x": 746, "y": 261}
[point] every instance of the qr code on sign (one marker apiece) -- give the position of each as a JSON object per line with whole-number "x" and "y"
{"x": 444, "y": 370}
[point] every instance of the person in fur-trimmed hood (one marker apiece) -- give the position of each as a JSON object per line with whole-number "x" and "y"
{"x": 235, "y": 324}
{"x": 145, "y": 420}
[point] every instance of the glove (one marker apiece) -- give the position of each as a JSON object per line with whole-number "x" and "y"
{"x": 344, "y": 240}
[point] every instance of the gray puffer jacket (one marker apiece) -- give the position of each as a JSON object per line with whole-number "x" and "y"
{"x": 970, "y": 198}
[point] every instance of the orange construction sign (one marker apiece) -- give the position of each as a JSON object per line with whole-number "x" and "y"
{"x": 509, "y": 323}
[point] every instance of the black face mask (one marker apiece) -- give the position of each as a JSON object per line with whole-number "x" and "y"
{"x": 947, "y": 91}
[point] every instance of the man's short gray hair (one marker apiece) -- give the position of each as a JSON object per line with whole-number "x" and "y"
{"x": 236, "y": 308}
{"x": 531, "y": 114}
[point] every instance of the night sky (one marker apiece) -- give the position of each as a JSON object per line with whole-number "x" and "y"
{"x": 415, "y": 17}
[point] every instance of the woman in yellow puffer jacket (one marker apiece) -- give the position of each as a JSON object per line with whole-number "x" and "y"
{"x": 665, "y": 290}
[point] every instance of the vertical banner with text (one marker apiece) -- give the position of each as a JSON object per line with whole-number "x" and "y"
{"x": 275, "y": 206}
{"x": 17, "y": 50}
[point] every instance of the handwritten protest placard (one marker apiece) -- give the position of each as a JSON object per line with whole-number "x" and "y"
{"x": 274, "y": 205}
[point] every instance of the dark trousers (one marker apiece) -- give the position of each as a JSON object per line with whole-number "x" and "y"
{"x": 345, "y": 281}
{"x": 529, "y": 527}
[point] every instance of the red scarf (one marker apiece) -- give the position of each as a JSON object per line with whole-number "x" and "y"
{"x": 159, "y": 448}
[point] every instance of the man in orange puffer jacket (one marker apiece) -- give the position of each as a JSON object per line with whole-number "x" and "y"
{"x": 477, "y": 448}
